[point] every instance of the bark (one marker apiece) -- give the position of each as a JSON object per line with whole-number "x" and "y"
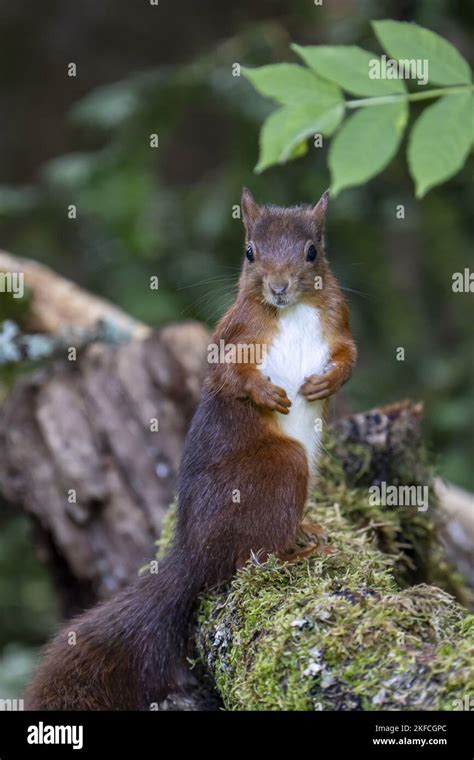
{"x": 458, "y": 527}
{"x": 80, "y": 454}
{"x": 79, "y": 449}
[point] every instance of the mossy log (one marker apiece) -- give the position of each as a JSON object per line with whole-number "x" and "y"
{"x": 374, "y": 625}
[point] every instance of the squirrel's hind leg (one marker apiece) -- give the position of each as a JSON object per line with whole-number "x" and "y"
{"x": 322, "y": 550}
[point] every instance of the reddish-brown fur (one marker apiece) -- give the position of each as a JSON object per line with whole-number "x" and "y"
{"x": 131, "y": 650}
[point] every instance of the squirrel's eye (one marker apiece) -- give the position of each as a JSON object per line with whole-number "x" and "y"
{"x": 249, "y": 253}
{"x": 311, "y": 253}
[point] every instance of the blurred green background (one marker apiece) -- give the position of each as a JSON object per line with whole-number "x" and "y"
{"x": 167, "y": 211}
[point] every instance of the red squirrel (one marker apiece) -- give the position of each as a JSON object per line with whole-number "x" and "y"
{"x": 254, "y": 435}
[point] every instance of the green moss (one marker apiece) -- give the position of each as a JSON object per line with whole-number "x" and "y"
{"x": 14, "y": 308}
{"x": 361, "y": 628}
{"x": 347, "y": 470}
{"x": 167, "y": 530}
{"x": 335, "y": 633}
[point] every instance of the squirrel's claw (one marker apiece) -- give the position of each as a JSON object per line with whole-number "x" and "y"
{"x": 269, "y": 396}
{"x": 317, "y": 387}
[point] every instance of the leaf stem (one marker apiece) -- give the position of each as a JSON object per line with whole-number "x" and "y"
{"x": 384, "y": 99}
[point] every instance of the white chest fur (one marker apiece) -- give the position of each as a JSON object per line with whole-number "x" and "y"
{"x": 297, "y": 351}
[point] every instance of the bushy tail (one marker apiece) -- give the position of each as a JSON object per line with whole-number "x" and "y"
{"x": 164, "y": 634}
{"x": 126, "y": 653}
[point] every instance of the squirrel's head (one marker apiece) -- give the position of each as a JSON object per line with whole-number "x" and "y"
{"x": 284, "y": 250}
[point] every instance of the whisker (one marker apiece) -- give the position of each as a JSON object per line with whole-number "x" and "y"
{"x": 209, "y": 281}
{"x": 224, "y": 295}
{"x": 358, "y": 292}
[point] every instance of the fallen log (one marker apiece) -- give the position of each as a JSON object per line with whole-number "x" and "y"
{"x": 374, "y": 625}
{"x": 90, "y": 449}
{"x": 55, "y": 304}
{"x": 458, "y": 525}
{"x": 90, "y": 443}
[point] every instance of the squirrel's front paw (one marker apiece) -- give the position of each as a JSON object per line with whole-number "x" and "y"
{"x": 317, "y": 387}
{"x": 269, "y": 396}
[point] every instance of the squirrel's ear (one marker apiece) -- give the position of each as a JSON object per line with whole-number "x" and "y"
{"x": 250, "y": 209}
{"x": 318, "y": 211}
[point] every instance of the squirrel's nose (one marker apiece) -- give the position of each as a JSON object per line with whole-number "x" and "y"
{"x": 278, "y": 288}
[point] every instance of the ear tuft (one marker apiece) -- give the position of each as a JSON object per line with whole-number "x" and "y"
{"x": 250, "y": 209}
{"x": 318, "y": 211}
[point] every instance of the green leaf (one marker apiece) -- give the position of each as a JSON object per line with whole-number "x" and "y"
{"x": 348, "y": 66}
{"x": 472, "y": 118}
{"x": 403, "y": 40}
{"x": 283, "y": 133}
{"x": 365, "y": 144}
{"x": 440, "y": 141}
{"x": 290, "y": 84}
